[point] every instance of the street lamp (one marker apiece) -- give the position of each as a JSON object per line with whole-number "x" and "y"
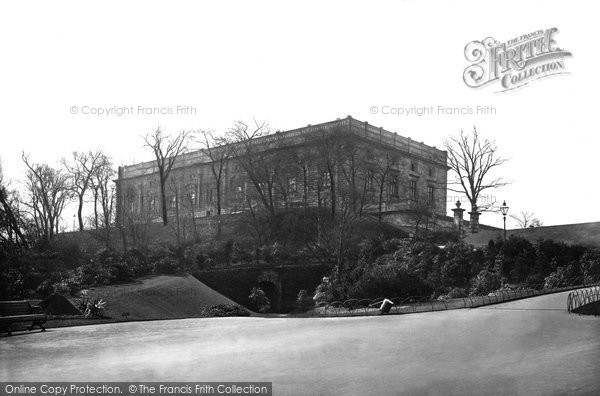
{"x": 504, "y": 210}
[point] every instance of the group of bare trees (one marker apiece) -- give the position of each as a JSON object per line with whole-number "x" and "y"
{"x": 32, "y": 211}
{"x": 325, "y": 169}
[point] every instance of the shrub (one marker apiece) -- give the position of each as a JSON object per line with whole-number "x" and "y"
{"x": 303, "y": 301}
{"x": 324, "y": 292}
{"x": 590, "y": 265}
{"x": 91, "y": 307}
{"x": 224, "y": 310}
{"x": 259, "y": 299}
{"x": 562, "y": 277}
{"x": 45, "y": 288}
{"x": 485, "y": 282}
{"x": 458, "y": 292}
{"x": 166, "y": 265}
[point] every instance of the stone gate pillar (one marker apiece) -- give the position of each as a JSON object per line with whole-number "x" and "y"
{"x": 474, "y": 221}
{"x": 458, "y": 217}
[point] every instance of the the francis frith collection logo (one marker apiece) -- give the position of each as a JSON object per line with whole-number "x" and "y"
{"x": 514, "y": 63}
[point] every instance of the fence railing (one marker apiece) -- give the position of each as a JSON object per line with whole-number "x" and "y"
{"x": 414, "y": 304}
{"x": 579, "y": 298}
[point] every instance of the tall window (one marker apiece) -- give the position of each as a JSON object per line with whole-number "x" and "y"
{"x": 292, "y": 186}
{"x": 173, "y": 202}
{"x": 413, "y": 190}
{"x": 413, "y": 166}
{"x": 430, "y": 195}
{"x": 431, "y": 172}
{"x": 326, "y": 179}
{"x": 370, "y": 178}
{"x": 152, "y": 202}
{"x": 394, "y": 188}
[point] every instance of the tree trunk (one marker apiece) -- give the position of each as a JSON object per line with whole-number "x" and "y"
{"x": 96, "y": 209}
{"x": 79, "y": 210}
{"x": 332, "y": 189}
{"x": 163, "y": 201}
{"x": 218, "y": 207}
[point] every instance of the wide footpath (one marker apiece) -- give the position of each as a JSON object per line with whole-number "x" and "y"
{"x": 526, "y": 347}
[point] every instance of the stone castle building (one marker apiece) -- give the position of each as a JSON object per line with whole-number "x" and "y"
{"x": 347, "y": 163}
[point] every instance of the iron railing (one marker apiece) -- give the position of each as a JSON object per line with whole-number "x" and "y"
{"x": 579, "y": 298}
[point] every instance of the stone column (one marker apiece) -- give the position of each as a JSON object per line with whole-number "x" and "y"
{"x": 474, "y": 221}
{"x": 458, "y": 217}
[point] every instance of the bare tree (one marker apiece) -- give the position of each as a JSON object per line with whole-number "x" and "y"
{"x": 218, "y": 151}
{"x": 48, "y": 191}
{"x": 250, "y": 154}
{"x": 472, "y": 158}
{"x": 383, "y": 165}
{"x": 188, "y": 202}
{"x": 81, "y": 171}
{"x": 527, "y": 219}
{"x": 329, "y": 146}
{"x": 354, "y": 166}
{"x": 166, "y": 151}
{"x": 104, "y": 195}
{"x": 11, "y": 222}
{"x": 134, "y": 219}
{"x": 422, "y": 211}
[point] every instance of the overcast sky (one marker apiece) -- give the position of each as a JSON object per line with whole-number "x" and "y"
{"x": 294, "y": 64}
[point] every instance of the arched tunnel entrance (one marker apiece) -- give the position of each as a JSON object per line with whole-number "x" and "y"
{"x": 272, "y": 293}
{"x": 270, "y": 283}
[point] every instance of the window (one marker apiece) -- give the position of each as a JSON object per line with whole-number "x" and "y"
{"x": 209, "y": 195}
{"x": 394, "y": 190}
{"x": 173, "y": 201}
{"x": 292, "y": 186}
{"x": 326, "y": 179}
{"x": 193, "y": 198}
{"x": 151, "y": 202}
{"x": 370, "y": 178}
{"x": 430, "y": 194}
{"x": 413, "y": 166}
{"x": 431, "y": 172}
{"x": 413, "y": 190}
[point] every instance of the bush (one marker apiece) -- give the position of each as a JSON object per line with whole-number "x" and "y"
{"x": 303, "y": 301}
{"x": 458, "y": 292}
{"x": 323, "y": 292}
{"x": 91, "y": 307}
{"x": 259, "y": 299}
{"x": 562, "y": 277}
{"x": 590, "y": 265}
{"x": 485, "y": 282}
{"x": 166, "y": 265}
{"x": 224, "y": 310}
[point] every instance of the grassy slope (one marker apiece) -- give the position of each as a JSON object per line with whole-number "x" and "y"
{"x": 587, "y": 234}
{"x": 159, "y": 297}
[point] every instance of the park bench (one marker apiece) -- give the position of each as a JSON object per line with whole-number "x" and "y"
{"x": 20, "y": 311}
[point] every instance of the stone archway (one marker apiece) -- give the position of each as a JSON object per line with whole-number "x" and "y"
{"x": 270, "y": 282}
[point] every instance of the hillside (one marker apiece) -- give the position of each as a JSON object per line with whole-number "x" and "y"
{"x": 586, "y": 234}
{"x": 159, "y": 297}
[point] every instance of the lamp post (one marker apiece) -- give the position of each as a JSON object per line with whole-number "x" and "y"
{"x": 504, "y": 210}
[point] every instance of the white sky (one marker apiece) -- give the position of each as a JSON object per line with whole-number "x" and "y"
{"x": 301, "y": 63}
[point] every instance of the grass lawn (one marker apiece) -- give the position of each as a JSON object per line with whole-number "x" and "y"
{"x": 149, "y": 298}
